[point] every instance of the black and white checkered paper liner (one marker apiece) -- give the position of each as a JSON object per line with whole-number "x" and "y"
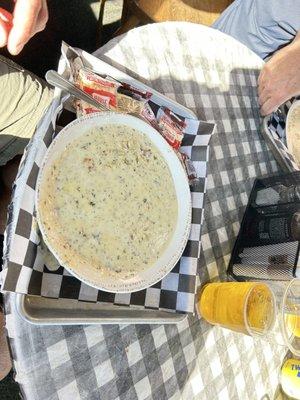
{"x": 275, "y": 128}
{"x": 27, "y": 273}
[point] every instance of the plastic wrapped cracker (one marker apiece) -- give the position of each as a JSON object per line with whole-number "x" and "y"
{"x": 171, "y": 127}
{"x": 188, "y": 167}
{"x": 148, "y": 115}
{"x": 102, "y": 90}
{"x": 84, "y": 108}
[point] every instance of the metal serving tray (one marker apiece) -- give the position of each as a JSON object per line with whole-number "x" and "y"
{"x": 45, "y": 311}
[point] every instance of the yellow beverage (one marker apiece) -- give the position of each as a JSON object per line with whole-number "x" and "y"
{"x": 293, "y": 324}
{"x": 239, "y": 306}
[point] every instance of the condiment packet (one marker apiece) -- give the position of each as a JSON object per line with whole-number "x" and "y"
{"x": 132, "y": 100}
{"x": 131, "y": 91}
{"x": 75, "y": 66}
{"x": 128, "y": 104}
{"x": 84, "y": 108}
{"x": 148, "y": 115}
{"x": 171, "y": 127}
{"x": 102, "y": 90}
{"x": 188, "y": 167}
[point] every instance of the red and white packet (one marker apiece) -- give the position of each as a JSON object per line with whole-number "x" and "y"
{"x": 189, "y": 168}
{"x": 171, "y": 127}
{"x": 102, "y": 90}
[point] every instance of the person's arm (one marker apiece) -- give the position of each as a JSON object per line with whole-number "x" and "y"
{"x": 28, "y": 18}
{"x": 279, "y": 79}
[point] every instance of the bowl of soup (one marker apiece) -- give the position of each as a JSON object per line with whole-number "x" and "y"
{"x": 113, "y": 202}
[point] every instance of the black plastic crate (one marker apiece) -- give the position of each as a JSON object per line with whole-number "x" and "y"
{"x": 267, "y": 246}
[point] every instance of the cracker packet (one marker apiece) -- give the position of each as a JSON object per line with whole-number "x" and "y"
{"x": 102, "y": 90}
{"x": 189, "y": 168}
{"x": 171, "y": 127}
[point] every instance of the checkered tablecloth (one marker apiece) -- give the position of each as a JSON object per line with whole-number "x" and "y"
{"x": 216, "y": 77}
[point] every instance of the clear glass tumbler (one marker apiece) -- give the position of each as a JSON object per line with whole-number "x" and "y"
{"x": 247, "y": 307}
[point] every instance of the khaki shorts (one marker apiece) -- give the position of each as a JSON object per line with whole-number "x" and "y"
{"x": 24, "y": 99}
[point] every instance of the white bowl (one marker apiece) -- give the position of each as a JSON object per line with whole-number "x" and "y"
{"x": 178, "y": 242}
{"x": 293, "y": 139}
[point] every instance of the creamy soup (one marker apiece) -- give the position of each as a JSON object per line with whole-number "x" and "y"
{"x": 108, "y": 202}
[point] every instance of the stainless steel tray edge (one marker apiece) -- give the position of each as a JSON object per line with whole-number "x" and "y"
{"x": 45, "y": 311}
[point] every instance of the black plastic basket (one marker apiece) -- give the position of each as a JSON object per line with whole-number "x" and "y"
{"x": 267, "y": 247}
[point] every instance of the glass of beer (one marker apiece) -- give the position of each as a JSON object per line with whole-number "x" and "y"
{"x": 290, "y": 316}
{"x": 247, "y": 307}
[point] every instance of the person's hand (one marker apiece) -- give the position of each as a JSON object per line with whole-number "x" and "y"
{"x": 5, "y": 26}
{"x": 29, "y": 17}
{"x": 279, "y": 79}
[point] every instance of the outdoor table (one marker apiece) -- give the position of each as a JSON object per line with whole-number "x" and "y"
{"x": 216, "y": 77}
